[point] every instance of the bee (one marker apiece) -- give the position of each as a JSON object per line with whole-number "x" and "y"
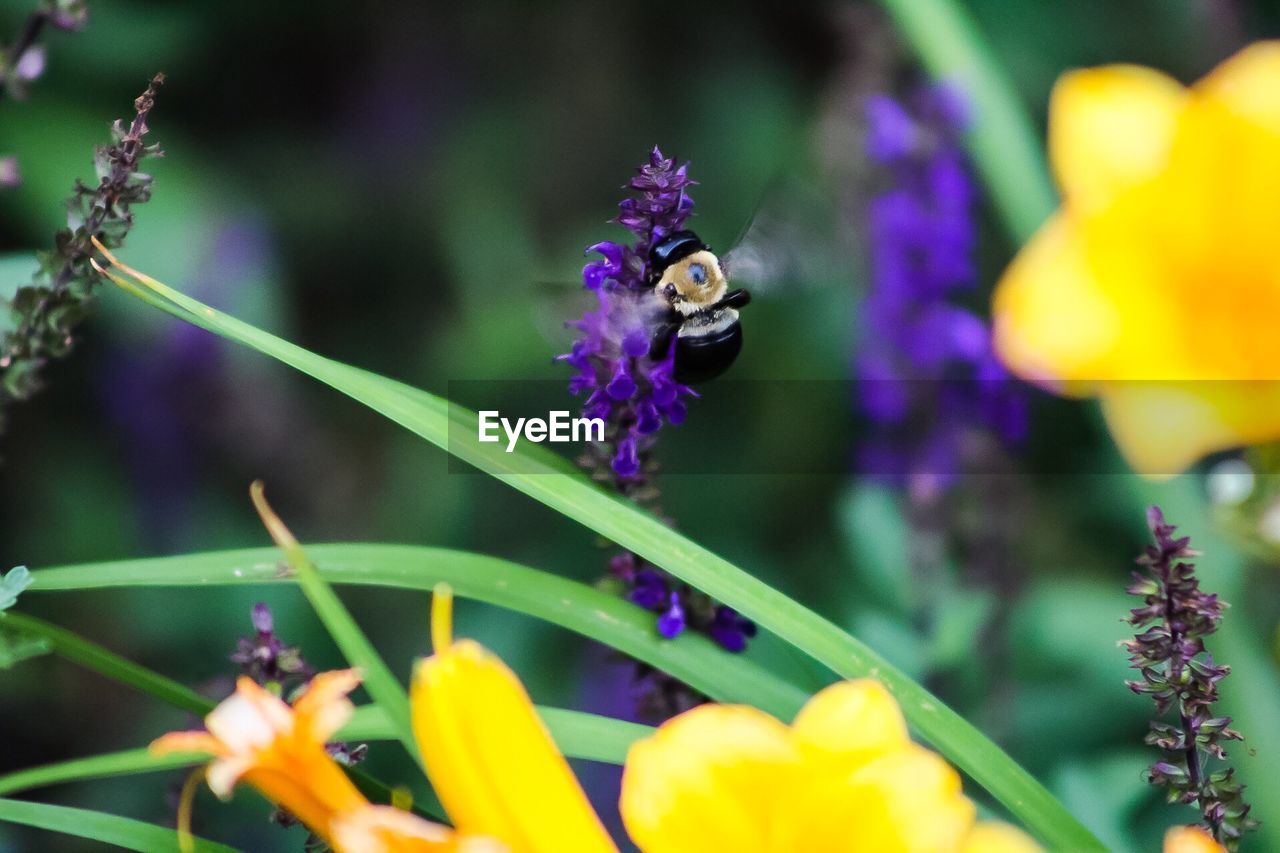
{"x": 700, "y": 313}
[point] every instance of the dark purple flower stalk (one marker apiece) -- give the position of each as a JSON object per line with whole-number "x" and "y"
{"x": 927, "y": 369}
{"x": 1180, "y": 675}
{"x": 636, "y": 394}
{"x": 266, "y": 659}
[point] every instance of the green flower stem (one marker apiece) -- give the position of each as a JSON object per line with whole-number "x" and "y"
{"x": 98, "y": 826}
{"x": 1003, "y": 142}
{"x": 575, "y": 606}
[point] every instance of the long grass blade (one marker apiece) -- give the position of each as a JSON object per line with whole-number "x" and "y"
{"x": 99, "y": 826}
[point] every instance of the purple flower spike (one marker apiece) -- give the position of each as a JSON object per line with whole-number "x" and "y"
{"x": 731, "y": 629}
{"x": 265, "y": 658}
{"x": 671, "y": 623}
{"x": 928, "y": 373}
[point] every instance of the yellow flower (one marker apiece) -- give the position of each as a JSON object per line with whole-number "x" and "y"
{"x": 844, "y": 777}
{"x": 1190, "y": 839}
{"x": 488, "y": 754}
{"x": 1157, "y": 283}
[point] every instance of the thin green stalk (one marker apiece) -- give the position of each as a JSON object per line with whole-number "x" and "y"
{"x": 578, "y": 607}
{"x": 378, "y": 678}
{"x": 98, "y": 826}
{"x": 1003, "y": 142}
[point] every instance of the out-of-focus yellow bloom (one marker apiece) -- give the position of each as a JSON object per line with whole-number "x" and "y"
{"x": 1156, "y": 286}
{"x": 278, "y": 749}
{"x": 844, "y": 777}
{"x": 1190, "y": 839}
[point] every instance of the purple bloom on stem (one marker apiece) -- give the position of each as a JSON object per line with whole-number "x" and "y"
{"x": 671, "y": 623}
{"x": 1179, "y": 674}
{"x": 265, "y": 658}
{"x": 928, "y": 371}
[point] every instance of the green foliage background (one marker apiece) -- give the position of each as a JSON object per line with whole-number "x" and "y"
{"x": 410, "y": 174}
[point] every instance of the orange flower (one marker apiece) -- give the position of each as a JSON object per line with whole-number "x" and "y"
{"x": 256, "y": 737}
{"x": 1190, "y": 839}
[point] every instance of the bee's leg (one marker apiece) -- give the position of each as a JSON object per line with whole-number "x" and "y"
{"x": 734, "y": 299}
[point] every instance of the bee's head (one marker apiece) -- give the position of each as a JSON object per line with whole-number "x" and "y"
{"x": 688, "y": 276}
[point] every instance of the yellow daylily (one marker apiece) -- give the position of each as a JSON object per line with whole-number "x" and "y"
{"x": 1157, "y": 283}
{"x": 844, "y": 777}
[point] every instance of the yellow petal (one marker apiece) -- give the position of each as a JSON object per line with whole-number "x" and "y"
{"x": 851, "y": 723}
{"x": 1190, "y": 839}
{"x": 1053, "y": 321}
{"x": 1163, "y": 427}
{"x": 492, "y": 761}
{"x": 909, "y": 785}
{"x": 708, "y": 780}
{"x": 994, "y": 837}
{"x": 1247, "y": 83}
{"x": 1109, "y": 129}
{"x": 186, "y": 742}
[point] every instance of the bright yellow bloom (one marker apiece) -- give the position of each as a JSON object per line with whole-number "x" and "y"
{"x": 278, "y": 749}
{"x": 844, "y": 777}
{"x": 488, "y": 754}
{"x": 1157, "y": 284}
{"x": 1190, "y": 839}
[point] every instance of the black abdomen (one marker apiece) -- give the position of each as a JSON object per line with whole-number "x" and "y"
{"x": 700, "y": 358}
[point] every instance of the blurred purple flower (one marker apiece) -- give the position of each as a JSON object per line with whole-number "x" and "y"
{"x": 9, "y": 174}
{"x": 927, "y": 369}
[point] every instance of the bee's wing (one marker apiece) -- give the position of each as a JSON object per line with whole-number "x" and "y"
{"x": 787, "y": 244}
{"x": 558, "y": 304}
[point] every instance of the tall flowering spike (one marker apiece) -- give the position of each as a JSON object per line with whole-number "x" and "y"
{"x": 634, "y": 391}
{"x": 927, "y": 367}
{"x": 1180, "y": 675}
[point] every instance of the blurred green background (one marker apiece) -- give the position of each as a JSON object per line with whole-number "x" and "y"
{"x": 387, "y": 184}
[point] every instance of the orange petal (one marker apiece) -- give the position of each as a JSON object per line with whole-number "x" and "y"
{"x": 1190, "y": 839}
{"x": 323, "y": 708}
{"x": 1110, "y": 128}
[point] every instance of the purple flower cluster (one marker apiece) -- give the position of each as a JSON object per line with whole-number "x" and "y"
{"x": 1179, "y": 673}
{"x": 633, "y": 393}
{"x": 680, "y": 607}
{"x": 265, "y": 658}
{"x": 927, "y": 370}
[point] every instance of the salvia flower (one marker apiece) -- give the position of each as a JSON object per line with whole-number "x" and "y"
{"x": 633, "y": 393}
{"x": 47, "y": 311}
{"x": 265, "y": 658}
{"x": 927, "y": 369}
{"x": 1180, "y": 675}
